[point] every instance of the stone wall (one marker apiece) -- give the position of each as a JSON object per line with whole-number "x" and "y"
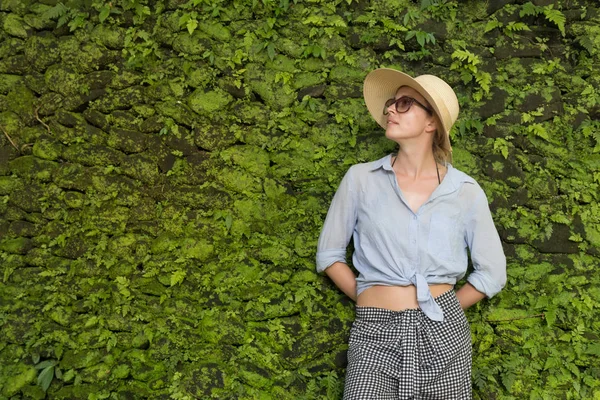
{"x": 165, "y": 168}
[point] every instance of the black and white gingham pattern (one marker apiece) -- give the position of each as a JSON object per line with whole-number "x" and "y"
{"x": 405, "y": 355}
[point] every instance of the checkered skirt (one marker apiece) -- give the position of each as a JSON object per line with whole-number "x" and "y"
{"x": 405, "y": 355}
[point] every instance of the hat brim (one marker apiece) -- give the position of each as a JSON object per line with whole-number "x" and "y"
{"x": 382, "y": 84}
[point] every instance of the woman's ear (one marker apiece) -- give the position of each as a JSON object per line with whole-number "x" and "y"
{"x": 432, "y": 124}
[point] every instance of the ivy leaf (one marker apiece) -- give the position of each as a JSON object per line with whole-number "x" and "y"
{"x": 271, "y": 51}
{"x": 228, "y": 221}
{"x": 104, "y": 13}
{"x": 45, "y": 364}
{"x": 421, "y": 38}
{"x": 191, "y": 25}
{"x": 45, "y": 377}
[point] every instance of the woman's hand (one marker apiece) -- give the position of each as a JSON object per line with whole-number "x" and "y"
{"x": 467, "y": 296}
{"x": 343, "y": 277}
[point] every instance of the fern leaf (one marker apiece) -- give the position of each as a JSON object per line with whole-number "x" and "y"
{"x": 587, "y": 44}
{"x": 529, "y": 9}
{"x": 556, "y": 17}
{"x": 55, "y": 12}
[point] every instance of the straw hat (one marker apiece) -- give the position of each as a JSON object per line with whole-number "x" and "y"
{"x": 383, "y": 83}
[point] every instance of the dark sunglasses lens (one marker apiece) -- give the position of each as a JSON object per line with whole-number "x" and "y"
{"x": 403, "y": 104}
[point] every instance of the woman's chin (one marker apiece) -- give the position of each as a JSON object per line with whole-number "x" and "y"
{"x": 392, "y": 132}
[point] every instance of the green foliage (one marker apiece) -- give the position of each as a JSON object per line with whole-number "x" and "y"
{"x": 73, "y": 17}
{"x": 47, "y": 372}
{"x": 549, "y": 12}
{"x": 468, "y": 64}
{"x": 175, "y": 161}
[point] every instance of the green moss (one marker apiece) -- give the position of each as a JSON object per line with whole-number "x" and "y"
{"x": 239, "y": 181}
{"x": 216, "y": 30}
{"x": 33, "y": 392}
{"x": 250, "y": 158}
{"x": 291, "y": 48}
{"x": 33, "y": 168}
{"x": 127, "y": 140}
{"x": 42, "y": 51}
{"x": 62, "y": 80}
{"x": 143, "y": 368}
{"x": 18, "y": 376}
{"x": 195, "y": 44}
{"x": 121, "y": 371}
{"x": 196, "y": 249}
{"x": 208, "y": 102}
{"x": 74, "y": 199}
{"x": 91, "y": 155}
{"x": 15, "y": 26}
{"x": 141, "y": 167}
{"x": 199, "y": 77}
{"x": 144, "y": 111}
{"x": 282, "y": 63}
{"x": 213, "y": 136}
{"x": 269, "y": 86}
{"x": 47, "y": 150}
{"x": 112, "y": 37}
{"x": 9, "y": 183}
{"x": 38, "y": 18}
{"x": 21, "y": 100}
{"x": 7, "y": 82}
{"x": 464, "y": 160}
{"x": 305, "y": 79}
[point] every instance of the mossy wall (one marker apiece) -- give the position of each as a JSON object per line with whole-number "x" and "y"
{"x": 165, "y": 168}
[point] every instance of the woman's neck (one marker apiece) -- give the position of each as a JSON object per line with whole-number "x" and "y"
{"x": 414, "y": 163}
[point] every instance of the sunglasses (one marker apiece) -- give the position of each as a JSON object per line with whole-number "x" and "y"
{"x": 403, "y": 104}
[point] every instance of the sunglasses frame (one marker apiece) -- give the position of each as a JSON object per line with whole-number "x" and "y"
{"x": 412, "y": 101}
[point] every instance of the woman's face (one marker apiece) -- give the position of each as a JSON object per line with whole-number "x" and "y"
{"x": 412, "y": 124}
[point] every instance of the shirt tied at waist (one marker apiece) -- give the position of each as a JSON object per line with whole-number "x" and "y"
{"x": 426, "y": 301}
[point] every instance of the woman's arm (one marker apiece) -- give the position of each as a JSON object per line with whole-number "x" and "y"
{"x": 467, "y": 296}
{"x": 489, "y": 262}
{"x": 343, "y": 277}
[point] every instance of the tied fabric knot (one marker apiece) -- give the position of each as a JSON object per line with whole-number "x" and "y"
{"x": 426, "y": 343}
{"x": 426, "y": 301}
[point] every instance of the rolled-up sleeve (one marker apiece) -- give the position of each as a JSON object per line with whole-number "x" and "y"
{"x": 339, "y": 225}
{"x": 489, "y": 261}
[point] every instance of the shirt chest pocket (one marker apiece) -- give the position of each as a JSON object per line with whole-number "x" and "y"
{"x": 443, "y": 233}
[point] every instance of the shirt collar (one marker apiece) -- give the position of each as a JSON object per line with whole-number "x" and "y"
{"x": 453, "y": 180}
{"x": 385, "y": 163}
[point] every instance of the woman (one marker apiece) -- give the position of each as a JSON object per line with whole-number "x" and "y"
{"x": 412, "y": 217}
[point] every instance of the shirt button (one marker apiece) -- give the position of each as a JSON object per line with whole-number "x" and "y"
{"x": 415, "y": 217}
{"x": 414, "y": 241}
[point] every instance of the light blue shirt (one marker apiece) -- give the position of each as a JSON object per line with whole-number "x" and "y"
{"x": 395, "y": 246}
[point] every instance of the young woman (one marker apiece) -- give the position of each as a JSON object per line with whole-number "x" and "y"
{"x": 412, "y": 217}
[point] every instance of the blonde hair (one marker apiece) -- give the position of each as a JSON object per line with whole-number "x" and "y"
{"x": 441, "y": 151}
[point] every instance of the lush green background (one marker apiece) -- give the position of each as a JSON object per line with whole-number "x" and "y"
{"x": 165, "y": 169}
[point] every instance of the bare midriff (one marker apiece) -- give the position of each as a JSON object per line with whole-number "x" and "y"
{"x": 396, "y": 298}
